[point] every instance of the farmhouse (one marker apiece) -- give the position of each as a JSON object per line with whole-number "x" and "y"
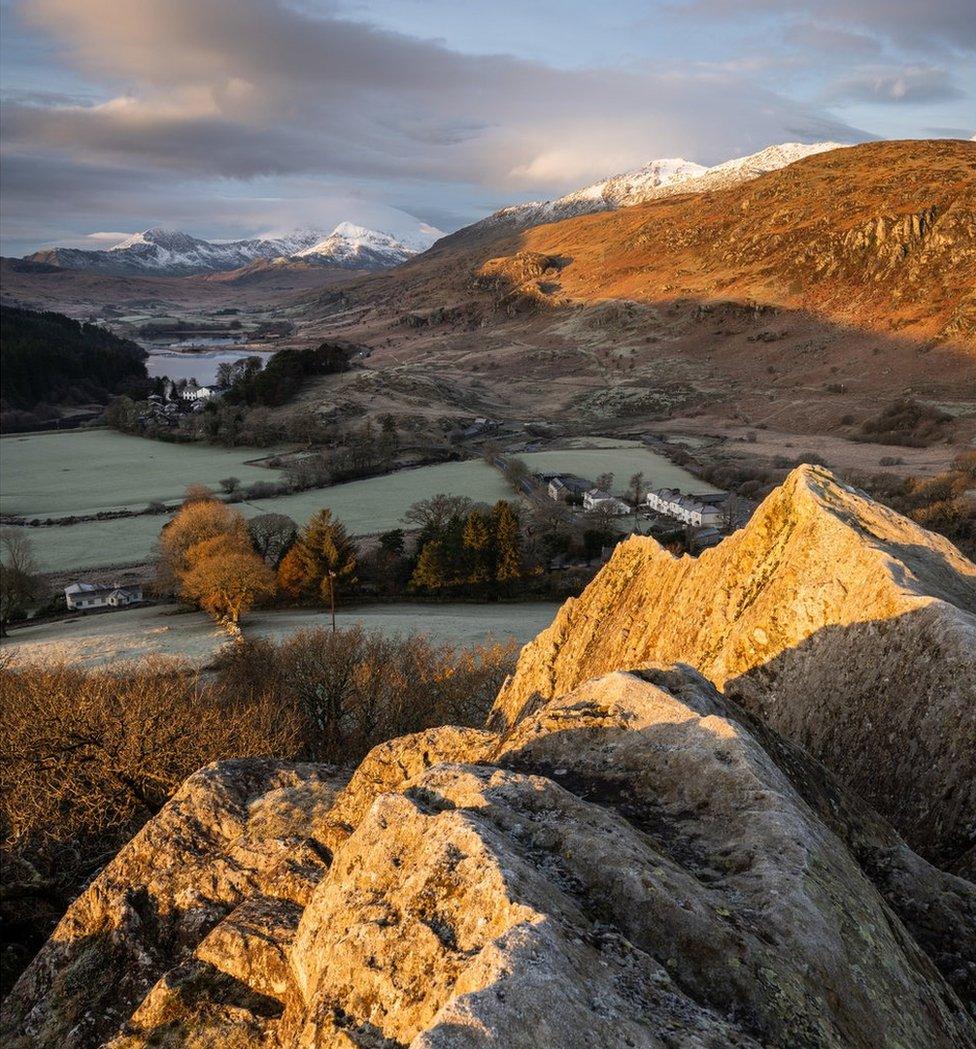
{"x": 699, "y": 510}
{"x": 597, "y": 499}
{"x": 567, "y": 486}
{"x": 80, "y": 596}
{"x": 202, "y": 393}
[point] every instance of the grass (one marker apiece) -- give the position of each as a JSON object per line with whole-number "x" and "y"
{"x": 372, "y": 505}
{"x": 119, "y": 637}
{"x": 56, "y": 474}
{"x": 622, "y": 462}
{"x": 59, "y": 474}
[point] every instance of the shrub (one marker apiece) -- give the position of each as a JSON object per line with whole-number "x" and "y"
{"x": 86, "y": 757}
{"x": 907, "y": 422}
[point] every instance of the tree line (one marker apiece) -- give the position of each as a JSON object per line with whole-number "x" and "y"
{"x": 48, "y": 359}
{"x": 284, "y": 374}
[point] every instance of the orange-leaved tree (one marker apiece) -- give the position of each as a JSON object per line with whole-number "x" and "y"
{"x": 197, "y": 520}
{"x": 323, "y": 560}
{"x": 207, "y": 557}
{"x": 226, "y": 580}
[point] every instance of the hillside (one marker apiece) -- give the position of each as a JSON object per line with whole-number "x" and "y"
{"x": 47, "y": 358}
{"x": 803, "y": 299}
{"x": 622, "y": 858}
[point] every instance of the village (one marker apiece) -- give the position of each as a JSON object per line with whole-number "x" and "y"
{"x": 704, "y": 517}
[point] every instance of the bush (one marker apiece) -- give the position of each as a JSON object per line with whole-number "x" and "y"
{"x": 907, "y": 422}
{"x": 86, "y": 757}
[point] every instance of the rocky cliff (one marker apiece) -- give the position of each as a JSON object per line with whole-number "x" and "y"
{"x": 848, "y": 628}
{"x": 636, "y": 863}
{"x": 624, "y": 858}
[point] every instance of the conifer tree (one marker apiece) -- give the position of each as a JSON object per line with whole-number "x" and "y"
{"x": 477, "y": 539}
{"x": 429, "y": 573}
{"x": 508, "y": 543}
{"x": 325, "y": 557}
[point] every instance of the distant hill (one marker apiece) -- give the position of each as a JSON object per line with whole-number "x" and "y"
{"x": 172, "y": 253}
{"x": 805, "y": 299}
{"x": 48, "y": 359}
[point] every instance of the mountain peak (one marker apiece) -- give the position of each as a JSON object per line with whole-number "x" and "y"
{"x": 162, "y": 251}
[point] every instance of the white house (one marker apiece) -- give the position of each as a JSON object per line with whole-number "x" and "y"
{"x": 83, "y": 596}
{"x": 203, "y": 393}
{"x": 692, "y": 509}
{"x": 597, "y": 499}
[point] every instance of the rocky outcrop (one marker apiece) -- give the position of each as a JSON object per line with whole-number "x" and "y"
{"x": 223, "y": 871}
{"x": 845, "y": 626}
{"x": 624, "y": 857}
{"x": 635, "y": 863}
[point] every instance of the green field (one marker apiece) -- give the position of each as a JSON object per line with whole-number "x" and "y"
{"x": 74, "y": 473}
{"x": 372, "y": 505}
{"x": 125, "y": 636}
{"x": 622, "y": 462}
{"x": 83, "y": 472}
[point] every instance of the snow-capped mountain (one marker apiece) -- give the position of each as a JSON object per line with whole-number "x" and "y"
{"x": 355, "y": 247}
{"x": 172, "y": 253}
{"x": 659, "y": 178}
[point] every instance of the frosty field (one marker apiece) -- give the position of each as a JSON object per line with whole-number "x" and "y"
{"x": 622, "y": 461}
{"x": 119, "y": 637}
{"x": 371, "y": 505}
{"x": 82, "y": 472}
{"x": 46, "y": 475}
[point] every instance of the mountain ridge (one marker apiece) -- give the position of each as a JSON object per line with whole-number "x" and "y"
{"x": 166, "y": 252}
{"x": 654, "y": 180}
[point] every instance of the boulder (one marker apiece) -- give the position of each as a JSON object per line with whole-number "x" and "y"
{"x": 638, "y": 862}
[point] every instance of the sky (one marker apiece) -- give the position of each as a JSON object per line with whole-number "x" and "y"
{"x": 229, "y": 118}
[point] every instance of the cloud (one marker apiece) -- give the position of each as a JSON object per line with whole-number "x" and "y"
{"x": 240, "y": 88}
{"x": 200, "y": 96}
{"x": 830, "y": 40}
{"x": 907, "y": 86}
{"x": 934, "y": 26}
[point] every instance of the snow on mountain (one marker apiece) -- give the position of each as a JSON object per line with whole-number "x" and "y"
{"x": 772, "y": 158}
{"x": 356, "y": 247}
{"x": 659, "y": 178}
{"x": 166, "y": 252}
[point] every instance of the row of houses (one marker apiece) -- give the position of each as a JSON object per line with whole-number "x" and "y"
{"x": 570, "y": 488}
{"x": 703, "y": 511}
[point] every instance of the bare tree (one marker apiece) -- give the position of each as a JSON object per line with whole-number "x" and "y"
{"x": 731, "y": 513}
{"x": 271, "y": 536}
{"x": 435, "y": 512}
{"x": 637, "y": 491}
{"x": 21, "y": 586}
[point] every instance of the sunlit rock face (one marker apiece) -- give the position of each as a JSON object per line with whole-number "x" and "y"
{"x": 623, "y": 858}
{"x": 637, "y": 862}
{"x": 842, "y": 624}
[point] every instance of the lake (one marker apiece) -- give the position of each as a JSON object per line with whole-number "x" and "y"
{"x": 200, "y": 366}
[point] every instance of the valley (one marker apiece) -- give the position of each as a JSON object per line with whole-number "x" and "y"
{"x": 83, "y": 474}
{"x": 558, "y": 633}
